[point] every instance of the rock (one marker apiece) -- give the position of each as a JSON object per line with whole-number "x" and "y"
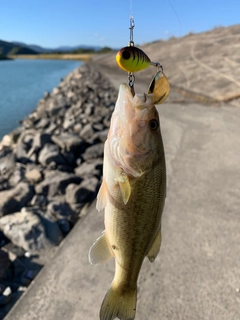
{"x": 90, "y": 168}
{"x": 50, "y": 152}
{"x": 59, "y": 145}
{"x": 51, "y": 129}
{"x": 40, "y": 139}
{"x": 52, "y": 230}
{"x": 70, "y": 159}
{"x": 98, "y": 127}
{"x": 15, "y": 134}
{"x": 27, "y": 277}
{"x": 7, "y": 160}
{"x": 69, "y": 122}
{"x": 39, "y": 200}
{"x": 24, "y": 144}
{"x": 6, "y": 296}
{"x": 89, "y": 109}
{"x": 12, "y": 138}
{"x": 14, "y": 251}
{"x": 69, "y": 142}
{"x": 55, "y": 183}
{"x": 6, "y": 141}
{"x": 17, "y": 175}
{"x": 34, "y": 175}
{"x": 87, "y": 132}
{"x": 95, "y": 151}
{"x": 4, "y": 264}
{"x": 77, "y": 128}
{"x": 64, "y": 225}
{"x": 100, "y": 136}
{"x": 62, "y": 210}
{"x": 30, "y": 230}
{"x": 79, "y": 194}
{"x": 90, "y": 184}
{"x": 3, "y": 183}
{"x": 42, "y": 123}
{"x": 13, "y": 200}
{"x": 56, "y": 106}
{"x": 3, "y": 239}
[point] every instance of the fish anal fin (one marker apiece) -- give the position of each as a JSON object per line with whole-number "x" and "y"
{"x": 102, "y": 196}
{"x": 100, "y": 251}
{"x": 155, "y": 247}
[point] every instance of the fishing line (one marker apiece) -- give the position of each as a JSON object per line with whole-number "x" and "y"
{"x": 131, "y": 13}
{"x": 179, "y": 21}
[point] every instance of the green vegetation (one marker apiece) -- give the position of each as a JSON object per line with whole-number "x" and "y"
{"x": 105, "y": 50}
{"x": 3, "y": 57}
{"x": 8, "y": 48}
{"x": 89, "y": 51}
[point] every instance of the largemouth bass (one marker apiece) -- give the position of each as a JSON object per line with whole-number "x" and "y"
{"x": 133, "y": 193}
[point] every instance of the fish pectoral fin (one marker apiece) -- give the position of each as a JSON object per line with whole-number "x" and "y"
{"x": 102, "y": 196}
{"x": 100, "y": 251}
{"x": 155, "y": 247}
{"x": 124, "y": 185}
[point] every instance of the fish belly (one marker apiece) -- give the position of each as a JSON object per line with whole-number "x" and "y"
{"x": 132, "y": 228}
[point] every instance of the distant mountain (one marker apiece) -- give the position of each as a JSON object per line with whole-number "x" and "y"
{"x": 10, "y": 48}
{"x": 72, "y": 48}
{"x": 34, "y": 47}
{"x": 40, "y": 49}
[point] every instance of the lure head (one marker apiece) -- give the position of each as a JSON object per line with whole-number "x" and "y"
{"x": 132, "y": 59}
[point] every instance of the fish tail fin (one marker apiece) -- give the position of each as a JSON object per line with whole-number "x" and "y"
{"x": 119, "y": 304}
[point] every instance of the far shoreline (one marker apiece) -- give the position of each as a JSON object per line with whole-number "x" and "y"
{"x": 54, "y": 56}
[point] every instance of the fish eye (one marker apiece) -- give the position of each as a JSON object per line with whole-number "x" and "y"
{"x": 153, "y": 124}
{"x": 126, "y": 54}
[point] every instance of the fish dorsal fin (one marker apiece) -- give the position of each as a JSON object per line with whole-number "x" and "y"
{"x": 125, "y": 186}
{"x": 102, "y": 196}
{"x": 100, "y": 251}
{"x": 155, "y": 247}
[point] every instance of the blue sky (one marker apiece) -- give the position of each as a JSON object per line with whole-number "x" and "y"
{"x": 53, "y": 23}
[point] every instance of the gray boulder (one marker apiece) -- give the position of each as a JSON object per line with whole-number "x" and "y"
{"x": 85, "y": 192}
{"x": 90, "y": 168}
{"x": 50, "y": 153}
{"x": 33, "y": 175}
{"x": 24, "y": 144}
{"x": 55, "y": 183}
{"x": 14, "y": 199}
{"x": 68, "y": 122}
{"x": 43, "y": 123}
{"x": 95, "y": 151}
{"x": 87, "y": 132}
{"x": 39, "y": 140}
{"x": 30, "y": 230}
{"x": 4, "y": 264}
{"x": 39, "y": 200}
{"x": 70, "y": 143}
{"x": 17, "y": 175}
{"x": 7, "y": 160}
{"x": 62, "y": 212}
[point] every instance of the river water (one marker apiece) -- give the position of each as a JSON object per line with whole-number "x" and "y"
{"x": 23, "y": 83}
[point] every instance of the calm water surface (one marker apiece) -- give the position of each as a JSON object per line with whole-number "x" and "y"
{"x": 23, "y": 83}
